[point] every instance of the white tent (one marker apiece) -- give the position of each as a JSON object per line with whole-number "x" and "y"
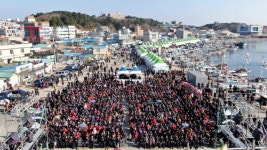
{"x": 136, "y": 73}
{"x": 123, "y": 70}
{"x": 160, "y": 66}
{"x": 141, "y": 52}
{"x": 135, "y": 70}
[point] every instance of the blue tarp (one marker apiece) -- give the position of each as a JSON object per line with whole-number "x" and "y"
{"x": 72, "y": 54}
{"x": 87, "y": 46}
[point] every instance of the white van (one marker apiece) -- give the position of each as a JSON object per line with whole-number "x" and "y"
{"x": 61, "y": 73}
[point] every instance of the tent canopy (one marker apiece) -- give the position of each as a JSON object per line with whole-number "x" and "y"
{"x": 135, "y": 68}
{"x": 123, "y": 68}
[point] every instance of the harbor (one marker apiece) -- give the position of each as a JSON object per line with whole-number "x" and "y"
{"x": 69, "y": 80}
{"x": 241, "y": 116}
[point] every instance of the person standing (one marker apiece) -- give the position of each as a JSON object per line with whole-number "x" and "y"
{"x": 36, "y": 90}
{"x": 7, "y": 105}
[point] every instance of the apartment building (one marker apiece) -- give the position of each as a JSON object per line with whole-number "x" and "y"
{"x": 65, "y": 32}
{"x": 36, "y": 32}
{"x": 11, "y": 29}
{"x": 10, "y": 51}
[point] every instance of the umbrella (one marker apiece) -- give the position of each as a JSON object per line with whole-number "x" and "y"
{"x": 30, "y": 137}
{"x": 83, "y": 125}
{"x": 15, "y": 138}
{"x": 29, "y": 122}
{"x": 185, "y": 124}
{"x": 228, "y": 121}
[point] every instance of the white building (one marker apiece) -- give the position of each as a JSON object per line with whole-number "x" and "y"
{"x": 150, "y": 36}
{"x": 117, "y": 15}
{"x": 46, "y": 31}
{"x": 182, "y": 33}
{"x": 30, "y": 18}
{"x": 11, "y": 29}
{"x": 205, "y": 33}
{"x": 65, "y": 32}
{"x": 100, "y": 51}
{"x": 124, "y": 36}
{"x": 245, "y": 29}
{"x": 11, "y": 52}
{"x": 226, "y": 33}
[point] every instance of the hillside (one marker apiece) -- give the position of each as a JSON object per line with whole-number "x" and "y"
{"x": 221, "y": 26}
{"x": 87, "y": 22}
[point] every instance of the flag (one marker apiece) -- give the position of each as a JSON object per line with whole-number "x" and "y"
{"x": 247, "y": 58}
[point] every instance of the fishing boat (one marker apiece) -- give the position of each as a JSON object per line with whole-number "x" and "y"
{"x": 241, "y": 44}
{"x": 232, "y": 49}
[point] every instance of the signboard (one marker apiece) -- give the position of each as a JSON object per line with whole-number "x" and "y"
{"x": 23, "y": 68}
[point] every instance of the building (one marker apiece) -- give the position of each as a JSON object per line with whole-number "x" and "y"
{"x": 124, "y": 36}
{"x": 11, "y": 52}
{"x": 46, "y": 31}
{"x": 36, "y": 32}
{"x": 65, "y": 32}
{"x": 30, "y": 19}
{"x": 206, "y": 33}
{"x": 244, "y": 29}
{"x": 182, "y": 33}
{"x": 226, "y": 33}
{"x": 100, "y": 51}
{"x": 25, "y": 72}
{"x": 11, "y": 29}
{"x": 139, "y": 32}
{"x": 264, "y": 29}
{"x": 103, "y": 31}
{"x": 150, "y": 36}
{"x": 117, "y": 15}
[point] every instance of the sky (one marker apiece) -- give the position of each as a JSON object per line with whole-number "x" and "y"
{"x": 189, "y": 12}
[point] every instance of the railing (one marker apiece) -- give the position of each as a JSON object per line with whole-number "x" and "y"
{"x": 19, "y": 109}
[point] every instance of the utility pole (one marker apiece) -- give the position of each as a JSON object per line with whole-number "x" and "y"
{"x": 54, "y": 49}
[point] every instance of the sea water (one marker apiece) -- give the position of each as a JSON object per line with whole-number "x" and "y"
{"x": 250, "y": 57}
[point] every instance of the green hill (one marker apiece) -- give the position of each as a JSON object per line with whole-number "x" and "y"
{"x": 221, "y": 26}
{"x": 84, "y": 21}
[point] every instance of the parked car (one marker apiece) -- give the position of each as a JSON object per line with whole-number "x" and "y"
{"x": 62, "y": 73}
{"x": 91, "y": 63}
{"x": 73, "y": 67}
{"x": 14, "y": 94}
{"x": 48, "y": 81}
{"x": 99, "y": 61}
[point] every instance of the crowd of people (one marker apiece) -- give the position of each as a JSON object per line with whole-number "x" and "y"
{"x": 87, "y": 113}
{"x": 162, "y": 113}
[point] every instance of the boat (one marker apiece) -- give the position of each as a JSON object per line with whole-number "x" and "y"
{"x": 232, "y": 49}
{"x": 241, "y": 44}
{"x": 241, "y": 72}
